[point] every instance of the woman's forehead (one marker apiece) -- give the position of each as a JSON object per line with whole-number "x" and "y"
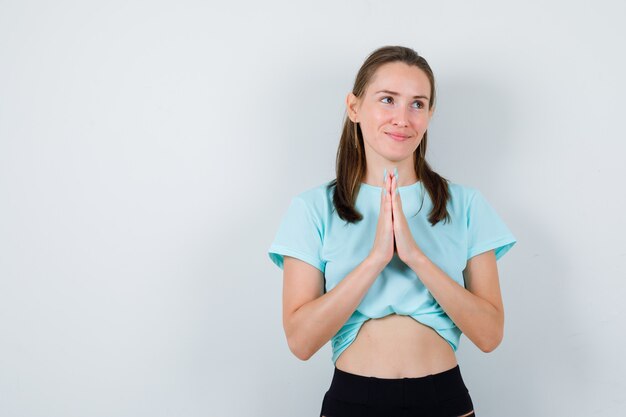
{"x": 399, "y": 77}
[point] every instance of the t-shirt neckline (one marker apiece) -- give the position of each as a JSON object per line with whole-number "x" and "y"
{"x": 379, "y": 189}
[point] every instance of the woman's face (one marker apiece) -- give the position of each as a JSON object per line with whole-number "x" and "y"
{"x": 393, "y": 113}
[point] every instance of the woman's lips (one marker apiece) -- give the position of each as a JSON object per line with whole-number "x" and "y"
{"x": 397, "y": 137}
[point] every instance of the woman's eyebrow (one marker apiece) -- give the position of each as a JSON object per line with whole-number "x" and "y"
{"x": 393, "y": 93}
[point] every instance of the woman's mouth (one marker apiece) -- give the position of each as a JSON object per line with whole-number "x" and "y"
{"x": 397, "y": 137}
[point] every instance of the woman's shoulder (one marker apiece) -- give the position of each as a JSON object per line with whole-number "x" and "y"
{"x": 466, "y": 197}
{"x": 318, "y": 198}
{"x": 460, "y": 191}
{"x": 461, "y": 195}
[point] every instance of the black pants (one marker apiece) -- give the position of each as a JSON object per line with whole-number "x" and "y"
{"x": 437, "y": 395}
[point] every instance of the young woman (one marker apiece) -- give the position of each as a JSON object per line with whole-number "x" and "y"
{"x": 390, "y": 261}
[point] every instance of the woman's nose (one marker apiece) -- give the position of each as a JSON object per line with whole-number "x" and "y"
{"x": 400, "y": 117}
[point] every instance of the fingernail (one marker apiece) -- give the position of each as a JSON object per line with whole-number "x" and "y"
{"x": 395, "y": 173}
{"x": 385, "y": 175}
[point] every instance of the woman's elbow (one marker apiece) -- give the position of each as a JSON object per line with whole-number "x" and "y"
{"x": 490, "y": 346}
{"x": 298, "y": 350}
{"x": 491, "y": 343}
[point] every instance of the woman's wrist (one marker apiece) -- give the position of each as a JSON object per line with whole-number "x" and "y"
{"x": 417, "y": 260}
{"x": 375, "y": 262}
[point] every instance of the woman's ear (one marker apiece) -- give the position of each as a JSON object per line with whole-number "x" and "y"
{"x": 351, "y": 106}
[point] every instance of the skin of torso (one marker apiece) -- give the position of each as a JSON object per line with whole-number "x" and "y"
{"x": 397, "y": 346}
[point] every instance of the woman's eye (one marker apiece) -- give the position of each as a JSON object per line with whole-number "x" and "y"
{"x": 420, "y": 105}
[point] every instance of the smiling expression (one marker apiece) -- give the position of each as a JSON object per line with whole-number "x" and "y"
{"x": 394, "y": 111}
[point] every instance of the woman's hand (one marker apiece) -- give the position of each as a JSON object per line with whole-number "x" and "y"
{"x": 405, "y": 243}
{"x": 383, "y": 248}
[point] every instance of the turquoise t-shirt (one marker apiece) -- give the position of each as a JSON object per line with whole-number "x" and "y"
{"x": 312, "y": 231}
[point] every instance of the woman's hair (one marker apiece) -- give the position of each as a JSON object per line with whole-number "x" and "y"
{"x": 351, "y": 162}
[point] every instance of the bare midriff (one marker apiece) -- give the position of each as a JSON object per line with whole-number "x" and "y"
{"x": 396, "y": 346}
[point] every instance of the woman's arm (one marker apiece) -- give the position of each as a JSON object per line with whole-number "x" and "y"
{"x": 477, "y": 310}
{"x": 311, "y": 319}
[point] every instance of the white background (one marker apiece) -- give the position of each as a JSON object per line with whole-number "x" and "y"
{"x": 148, "y": 150}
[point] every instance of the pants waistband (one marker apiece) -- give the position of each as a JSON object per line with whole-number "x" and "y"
{"x": 418, "y": 391}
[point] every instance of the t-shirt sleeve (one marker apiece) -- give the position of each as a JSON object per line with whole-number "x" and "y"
{"x": 486, "y": 230}
{"x": 299, "y": 235}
